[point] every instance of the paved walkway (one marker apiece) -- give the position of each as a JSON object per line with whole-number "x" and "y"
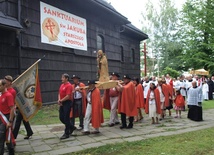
{"x": 45, "y": 140}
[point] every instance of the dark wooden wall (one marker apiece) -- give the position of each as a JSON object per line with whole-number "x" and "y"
{"x": 8, "y": 53}
{"x": 59, "y": 60}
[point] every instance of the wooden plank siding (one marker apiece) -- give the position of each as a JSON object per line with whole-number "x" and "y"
{"x": 59, "y": 60}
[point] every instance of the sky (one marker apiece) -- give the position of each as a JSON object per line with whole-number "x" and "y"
{"x": 132, "y": 9}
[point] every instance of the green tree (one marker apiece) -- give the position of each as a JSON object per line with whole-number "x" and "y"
{"x": 161, "y": 26}
{"x": 173, "y": 73}
{"x": 198, "y": 34}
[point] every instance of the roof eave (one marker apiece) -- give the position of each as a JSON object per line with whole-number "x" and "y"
{"x": 123, "y": 18}
{"x": 141, "y": 35}
{"x": 9, "y": 22}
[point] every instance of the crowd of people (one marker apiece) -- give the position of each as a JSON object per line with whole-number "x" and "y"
{"x": 129, "y": 98}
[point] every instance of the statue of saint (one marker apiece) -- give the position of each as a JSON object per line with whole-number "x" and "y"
{"x": 102, "y": 65}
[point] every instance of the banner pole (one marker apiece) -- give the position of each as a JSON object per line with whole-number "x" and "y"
{"x": 29, "y": 68}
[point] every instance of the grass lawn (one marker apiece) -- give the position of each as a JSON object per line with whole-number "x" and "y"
{"x": 208, "y": 104}
{"x": 46, "y": 115}
{"x": 50, "y": 114}
{"x": 192, "y": 143}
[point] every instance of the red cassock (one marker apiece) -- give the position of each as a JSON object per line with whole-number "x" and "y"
{"x": 171, "y": 83}
{"x": 83, "y": 101}
{"x": 179, "y": 101}
{"x": 126, "y": 102}
{"x": 171, "y": 91}
{"x": 106, "y": 100}
{"x": 166, "y": 93}
{"x": 97, "y": 109}
{"x": 157, "y": 101}
{"x": 139, "y": 96}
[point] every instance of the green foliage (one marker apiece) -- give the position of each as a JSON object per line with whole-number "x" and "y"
{"x": 162, "y": 26}
{"x": 181, "y": 40}
{"x": 171, "y": 72}
{"x": 197, "y": 34}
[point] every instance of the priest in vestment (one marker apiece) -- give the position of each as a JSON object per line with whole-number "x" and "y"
{"x": 194, "y": 102}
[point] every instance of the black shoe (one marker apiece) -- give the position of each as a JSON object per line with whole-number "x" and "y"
{"x": 123, "y": 127}
{"x": 11, "y": 151}
{"x": 80, "y": 128}
{"x": 116, "y": 123}
{"x": 72, "y": 129}
{"x": 86, "y": 132}
{"x": 111, "y": 125}
{"x": 129, "y": 126}
{"x": 95, "y": 132}
{"x": 28, "y": 137}
{"x": 65, "y": 136}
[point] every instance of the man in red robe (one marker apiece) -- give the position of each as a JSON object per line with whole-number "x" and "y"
{"x": 168, "y": 80}
{"x": 168, "y": 93}
{"x": 139, "y": 98}
{"x": 110, "y": 101}
{"x": 94, "y": 111}
{"x": 127, "y": 105}
{"x": 79, "y": 101}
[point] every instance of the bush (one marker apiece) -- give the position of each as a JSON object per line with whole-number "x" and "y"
{"x": 173, "y": 73}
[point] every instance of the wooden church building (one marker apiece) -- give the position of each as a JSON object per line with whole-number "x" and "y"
{"x": 69, "y": 33}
